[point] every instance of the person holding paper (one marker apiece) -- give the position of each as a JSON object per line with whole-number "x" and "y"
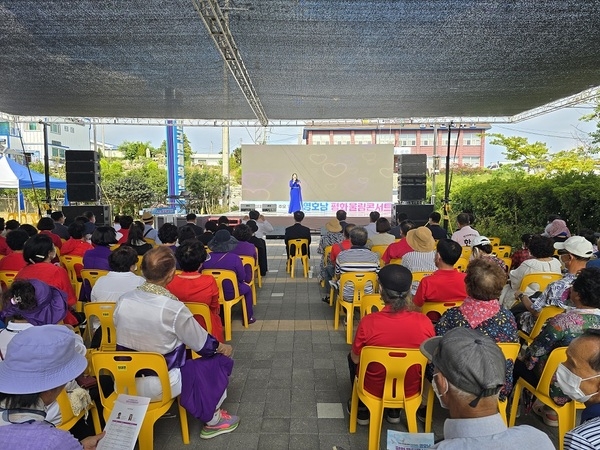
{"x": 151, "y": 319}
{"x": 39, "y": 362}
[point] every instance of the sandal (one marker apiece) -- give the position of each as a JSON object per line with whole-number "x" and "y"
{"x": 548, "y": 414}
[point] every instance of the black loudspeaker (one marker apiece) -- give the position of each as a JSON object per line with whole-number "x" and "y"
{"x": 419, "y": 214}
{"x": 102, "y": 213}
{"x": 412, "y": 165}
{"x": 83, "y": 175}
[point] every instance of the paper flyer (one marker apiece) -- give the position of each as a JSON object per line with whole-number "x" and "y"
{"x": 124, "y": 424}
{"x": 398, "y": 440}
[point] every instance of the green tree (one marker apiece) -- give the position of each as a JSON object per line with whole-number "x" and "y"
{"x": 206, "y": 185}
{"x": 533, "y": 156}
{"x": 235, "y": 166}
{"x": 138, "y": 149}
{"x": 187, "y": 149}
{"x": 129, "y": 193}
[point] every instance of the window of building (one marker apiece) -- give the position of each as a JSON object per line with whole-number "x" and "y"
{"x": 427, "y": 139}
{"x": 471, "y": 139}
{"x": 474, "y": 161}
{"x": 58, "y": 152}
{"x": 56, "y": 143}
{"x": 386, "y": 138}
{"x": 72, "y": 130}
{"x": 54, "y": 128}
{"x": 342, "y": 139}
{"x": 363, "y": 138}
{"x": 453, "y": 139}
{"x": 408, "y": 139}
{"x": 66, "y": 128}
{"x": 33, "y": 126}
{"x": 320, "y": 139}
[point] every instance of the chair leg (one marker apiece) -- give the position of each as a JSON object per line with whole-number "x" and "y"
{"x": 185, "y": 431}
{"x": 146, "y": 437}
{"x": 411, "y": 417}
{"x": 517, "y": 390}
{"x": 227, "y": 320}
{"x": 331, "y": 295}
{"x": 336, "y": 314}
{"x": 350, "y": 323}
{"x": 429, "y": 410}
{"x": 375, "y": 427}
{"x": 95, "y": 419}
{"x": 354, "y": 408}
{"x": 305, "y": 266}
{"x": 244, "y": 313}
{"x": 293, "y": 267}
{"x": 254, "y": 293}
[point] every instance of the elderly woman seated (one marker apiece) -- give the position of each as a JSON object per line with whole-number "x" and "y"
{"x": 192, "y": 286}
{"x": 39, "y": 362}
{"x": 151, "y": 319}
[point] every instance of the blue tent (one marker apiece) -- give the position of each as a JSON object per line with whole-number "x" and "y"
{"x": 16, "y": 176}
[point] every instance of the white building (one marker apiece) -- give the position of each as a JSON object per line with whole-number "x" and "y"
{"x": 206, "y": 159}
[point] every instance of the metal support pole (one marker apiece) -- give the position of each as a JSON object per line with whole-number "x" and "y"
{"x": 447, "y": 186}
{"x": 47, "y": 168}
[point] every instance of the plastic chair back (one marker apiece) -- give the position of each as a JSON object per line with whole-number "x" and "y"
{"x": 124, "y": 366}
{"x": 368, "y": 302}
{"x": 439, "y": 307}
{"x": 461, "y": 264}
{"x": 541, "y": 279}
{"x": 546, "y": 313}
{"x": 466, "y": 253}
{"x": 73, "y": 264}
{"x": 359, "y": 280}
{"x": 297, "y": 250}
{"x": 380, "y": 250}
{"x": 90, "y": 276}
{"x": 249, "y": 264}
{"x": 104, "y": 312}
{"x": 511, "y": 352}
{"x": 397, "y": 361}
{"x": 6, "y": 278}
{"x": 418, "y": 276}
{"x": 502, "y": 251}
{"x": 202, "y": 310}
{"x": 495, "y": 241}
{"x": 68, "y": 419}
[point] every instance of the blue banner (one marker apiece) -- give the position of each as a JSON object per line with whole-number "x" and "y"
{"x": 175, "y": 163}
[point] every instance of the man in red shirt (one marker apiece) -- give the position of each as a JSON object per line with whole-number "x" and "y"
{"x": 77, "y": 245}
{"x": 396, "y": 325}
{"x": 398, "y": 249}
{"x": 446, "y": 283}
{"x": 14, "y": 261}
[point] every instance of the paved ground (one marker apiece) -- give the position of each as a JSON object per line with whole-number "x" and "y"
{"x": 290, "y": 381}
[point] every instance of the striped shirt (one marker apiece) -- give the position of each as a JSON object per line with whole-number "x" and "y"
{"x": 584, "y": 437}
{"x": 356, "y": 260}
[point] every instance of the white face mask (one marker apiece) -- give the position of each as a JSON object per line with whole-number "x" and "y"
{"x": 437, "y": 392}
{"x": 570, "y": 384}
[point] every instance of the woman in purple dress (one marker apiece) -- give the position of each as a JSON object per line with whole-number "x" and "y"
{"x": 295, "y": 195}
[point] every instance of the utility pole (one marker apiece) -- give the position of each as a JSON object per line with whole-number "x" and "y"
{"x": 225, "y": 132}
{"x": 46, "y": 168}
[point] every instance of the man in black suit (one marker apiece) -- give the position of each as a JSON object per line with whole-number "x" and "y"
{"x": 191, "y": 223}
{"x": 297, "y": 231}
{"x": 260, "y": 245}
{"x": 59, "y": 225}
{"x": 434, "y": 225}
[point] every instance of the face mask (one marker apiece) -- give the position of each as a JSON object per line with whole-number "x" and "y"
{"x": 437, "y": 392}
{"x": 570, "y": 384}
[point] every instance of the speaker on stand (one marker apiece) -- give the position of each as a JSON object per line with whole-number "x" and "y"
{"x": 412, "y": 178}
{"x": 83, "y": 175}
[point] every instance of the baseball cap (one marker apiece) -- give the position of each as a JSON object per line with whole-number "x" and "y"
{"x": 480, "y": 240}
{"x": 470, "y": 360}
{"x": 40, "y": 358}
{"x": 395, "y": 277}
{"x": 576, "y": 245}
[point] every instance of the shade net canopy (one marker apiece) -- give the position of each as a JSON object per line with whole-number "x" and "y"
{"x": 306, "y": 59}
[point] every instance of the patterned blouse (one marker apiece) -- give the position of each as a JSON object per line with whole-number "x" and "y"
{"x": 327, "y": 239}
{"x": 559, "y": 331}
{"x": 501, "y": 327}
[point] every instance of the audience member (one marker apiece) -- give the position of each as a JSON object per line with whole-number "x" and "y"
{"x": 243, "y": 234}
{"x": 39, "y": 362}
{"x": 117, "y": 223}
{"x": 149, "y": 230}
{"x": 121, "y": 278}
{"x": 579, "y": 378}
{"x": 10, "y": 225}
{"x": 102, "y": 239}
{"x": 135, "y": 239}
{"x": 38, "y": 252}
{"x": 383, "y": 237}
{"x": 4, "y": 250}
{"x": 192, "y": 286}
{"x": 340, "y": 247}
{"x": 542, "y": 260}
{"x": 59, "y": 225}
{"x": 14, "y": 260}
{"x": 261, "y": 248}
{"x": 559, "y": 331}
{"x": 434, "y": 225}
{"x": 186, "y": 232}
{"x": 481, "y": 247}
{"x": 397, "y": 250}
{"x": 482, "y": 311}
{"x": 523, "y": 253}
{"x": 371, "y": 226}
{"x": 356, "y": 259}
{"x": 152, "y": 319}
{"x": 29, "y": 229}
{"x": 167, "y": 234}
{"x": 574, "y": 254}
{"x": 422, "y": 256}
{"x": 222, "y": 257}
{"x": 469, "y": 370}
{"x": 210, "y": 228}
{"x": 45, "y": 226}
{"x": 264, "y": 227}
{"x": 76, "y": 245}
{"x": 126, "y": 222}
{"x": 446, "y": 283}
{"x": 394, "y": 326}
{"x": 341, "y": 215}
{"x": 556, "y": 229}
{"x": 223, "y": 224}
{"x": 465, "y": 234}
{"x": 190, "y": 221}
{"x": 297, "y": 231}
{"x": 332, "y": 236}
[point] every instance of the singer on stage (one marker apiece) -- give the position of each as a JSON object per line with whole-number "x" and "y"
{"x": 295, "y": 194}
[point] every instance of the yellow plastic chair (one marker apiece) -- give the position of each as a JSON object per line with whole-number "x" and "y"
{"x": 368, "y": 302}
{"x": 68, "y": 419}
{"x": 397, "y": 361}
{"x": 461, "y": 264}
{"x": 546, "y": 313}
{"x": 138, "y": 267}
{"x": 466, "y": 253}
{"x": 202, "y": 310}
{"x": 104, "y": 312}
{"x": 495, "y": 241}
{"x": 396, "y": 261}
{"x": 440, "y": 307}
{"x": 502, "y": 251}
{"x": 566, "y": 413}
{"x": 380, "y": 250}
{"x": 6, "y": 278}
{"x": 124, "y": 366}
{"x": 511, "y": 352}
{"x": 152, "y": 242}
{"x": 297, "y": 250}
{"x": 508, "y": 262}
{"x": 257, "y": 275}
{"x": 359, "y": 280}
{"x": 326, "y": 256}
{"x": 542, "y": 279}
{"x": 249, "y": 261}
{"x": 73, "y": 264}
{"x": 418, "y": 276}
{"x": 90, "y": 276}
{"x": 228, "y": 276}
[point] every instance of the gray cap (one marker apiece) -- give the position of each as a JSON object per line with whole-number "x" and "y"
{"x": 470, "y": 360}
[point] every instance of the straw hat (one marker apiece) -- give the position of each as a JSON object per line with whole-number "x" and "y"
{"x": 420, "y": 239}
{"x": 333, "y": 226}
{"x": 147, "y": 217}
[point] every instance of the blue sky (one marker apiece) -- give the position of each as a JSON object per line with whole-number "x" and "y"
{"x": 560, "y": 129}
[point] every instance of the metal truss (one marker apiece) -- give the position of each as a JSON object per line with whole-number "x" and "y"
{"x": 216, "y": 23}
